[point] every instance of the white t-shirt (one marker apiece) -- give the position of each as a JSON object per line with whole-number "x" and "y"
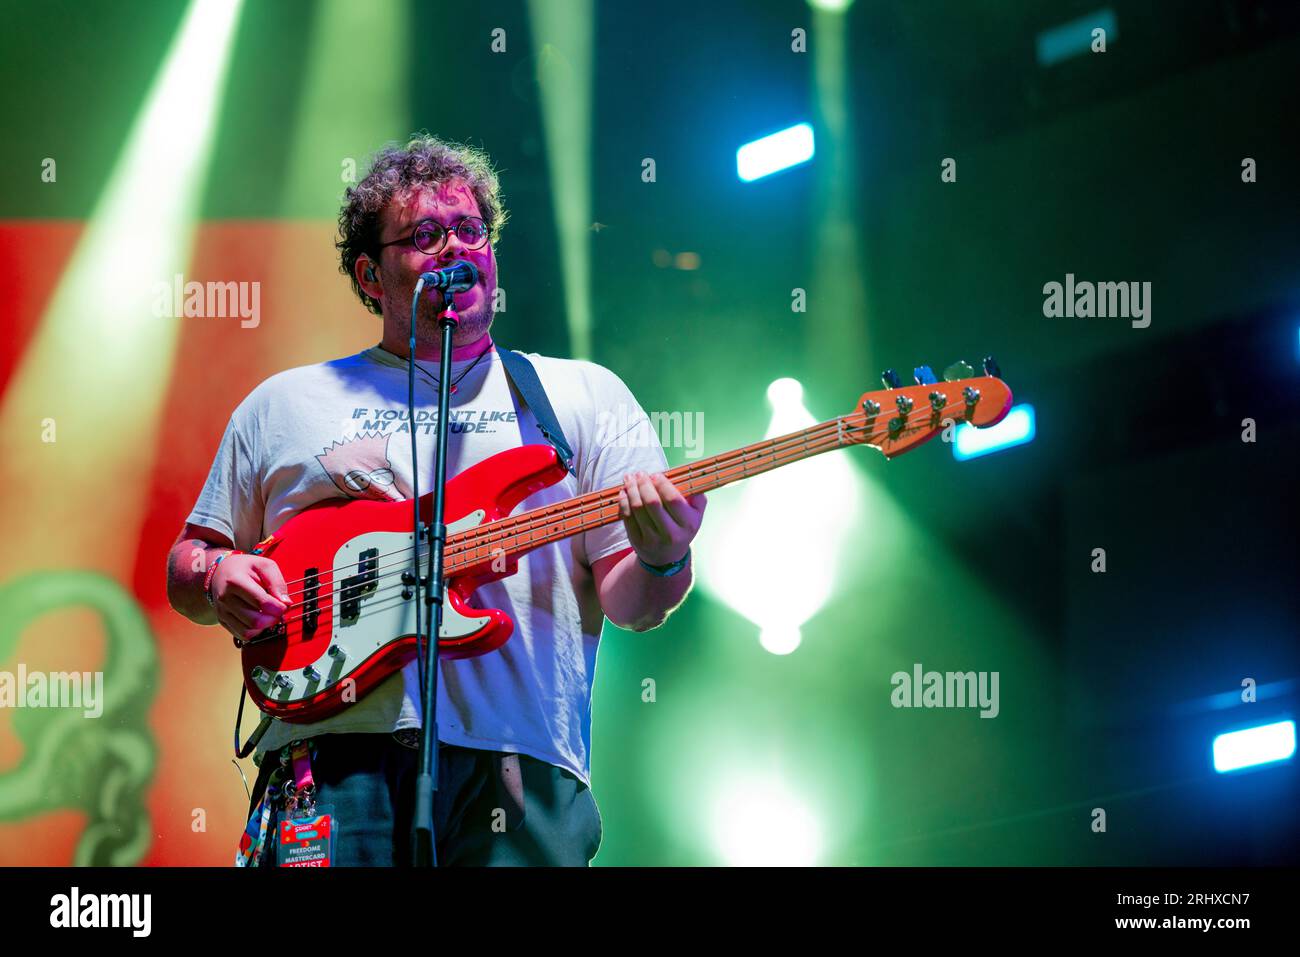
{"x": 338, "y": 429}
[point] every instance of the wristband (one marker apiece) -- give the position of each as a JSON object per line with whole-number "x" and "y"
{"x": 669, "y": 570}
{"x": 212, "y": 571}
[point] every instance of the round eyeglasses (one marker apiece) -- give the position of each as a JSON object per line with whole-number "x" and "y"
{"x": 429, "y": 235}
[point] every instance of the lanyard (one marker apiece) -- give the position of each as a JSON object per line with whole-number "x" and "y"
{"x": 292, "y": 779}
{"x": 302, "y": 797}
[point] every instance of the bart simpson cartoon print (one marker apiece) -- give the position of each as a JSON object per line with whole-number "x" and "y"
{"x": 360, "y": 467}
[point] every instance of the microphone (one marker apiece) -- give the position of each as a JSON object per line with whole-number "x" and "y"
{"x": 458, "y": 277}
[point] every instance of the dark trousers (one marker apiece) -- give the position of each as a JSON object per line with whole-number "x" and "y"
{"x": 479, "y": 820}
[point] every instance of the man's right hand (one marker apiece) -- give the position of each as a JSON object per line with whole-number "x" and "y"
{"x": 249, "y": 594}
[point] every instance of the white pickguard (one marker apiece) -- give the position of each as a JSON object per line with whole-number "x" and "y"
{"x": 384, "y": 615}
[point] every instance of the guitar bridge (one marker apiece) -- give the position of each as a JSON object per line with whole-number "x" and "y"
{"x": 268, "y": 634}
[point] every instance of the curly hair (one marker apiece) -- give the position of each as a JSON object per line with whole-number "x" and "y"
{"x": 396, "y": 171}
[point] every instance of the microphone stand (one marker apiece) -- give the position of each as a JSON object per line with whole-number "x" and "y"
{"x": 431, "y": 586}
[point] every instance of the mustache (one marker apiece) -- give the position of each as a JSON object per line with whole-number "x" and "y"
{"x": 431, "y": 304}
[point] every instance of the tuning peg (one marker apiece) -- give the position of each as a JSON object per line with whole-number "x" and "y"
{"x": 890, "y": 378}
{"x": 958, "y": 370}
{"x": 991, "y": 367}
{"x": 924, "y": 375}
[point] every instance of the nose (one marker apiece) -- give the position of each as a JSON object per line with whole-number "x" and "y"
{"x": 451, "y": 249}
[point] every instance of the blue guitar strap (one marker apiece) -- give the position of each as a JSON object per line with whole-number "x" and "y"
{"x": 524, "y": 377}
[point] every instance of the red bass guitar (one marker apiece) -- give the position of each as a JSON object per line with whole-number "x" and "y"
{"x": 350, "y": 566}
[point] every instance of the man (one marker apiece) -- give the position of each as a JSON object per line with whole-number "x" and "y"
{"x": 515, "y": 724}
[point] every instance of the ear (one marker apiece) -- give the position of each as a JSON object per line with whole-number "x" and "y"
{"x": 367, "y": 273}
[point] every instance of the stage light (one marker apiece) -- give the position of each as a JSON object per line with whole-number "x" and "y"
{"x": 1075, "y": 38}
{"x": 759, "y": 823}
{"x": 786, "y": 396}
{"x": 1016, "y": 429}
{"x": 1251, "y": 747}
{"x": 830, "y": 6}
{"x": 771, "y": 154}
{"x": 779, "y": 639}
{"x": 737, "y": 546}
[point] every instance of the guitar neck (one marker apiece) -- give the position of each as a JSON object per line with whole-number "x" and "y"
{"x": 583, "y": 513}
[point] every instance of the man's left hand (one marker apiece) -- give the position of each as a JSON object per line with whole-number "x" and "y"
{"x": 660, "y": 521}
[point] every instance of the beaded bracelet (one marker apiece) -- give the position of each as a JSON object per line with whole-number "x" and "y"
{"x": 212, "y": 571}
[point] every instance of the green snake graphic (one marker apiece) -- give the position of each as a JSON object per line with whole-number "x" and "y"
{"x": 103, "y": 765}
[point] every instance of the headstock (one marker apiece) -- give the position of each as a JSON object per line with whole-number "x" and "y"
{"x": 898, "y": 417}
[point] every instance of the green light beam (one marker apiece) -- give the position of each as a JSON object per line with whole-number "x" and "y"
{"x": 97, "y": 368}
{"x": 565, "y": 80}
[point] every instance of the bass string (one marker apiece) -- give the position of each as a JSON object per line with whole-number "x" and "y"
{"x": 791, "y": 451}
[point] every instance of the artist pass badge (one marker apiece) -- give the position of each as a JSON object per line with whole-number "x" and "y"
{"x": 307, "y": 841}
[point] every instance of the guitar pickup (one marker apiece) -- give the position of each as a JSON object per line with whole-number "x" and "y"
{"x": 354, "y": 587}
{"x": 310, "y": 601}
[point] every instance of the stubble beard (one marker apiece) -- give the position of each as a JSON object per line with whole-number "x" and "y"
{"x": 474, "y": 322}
